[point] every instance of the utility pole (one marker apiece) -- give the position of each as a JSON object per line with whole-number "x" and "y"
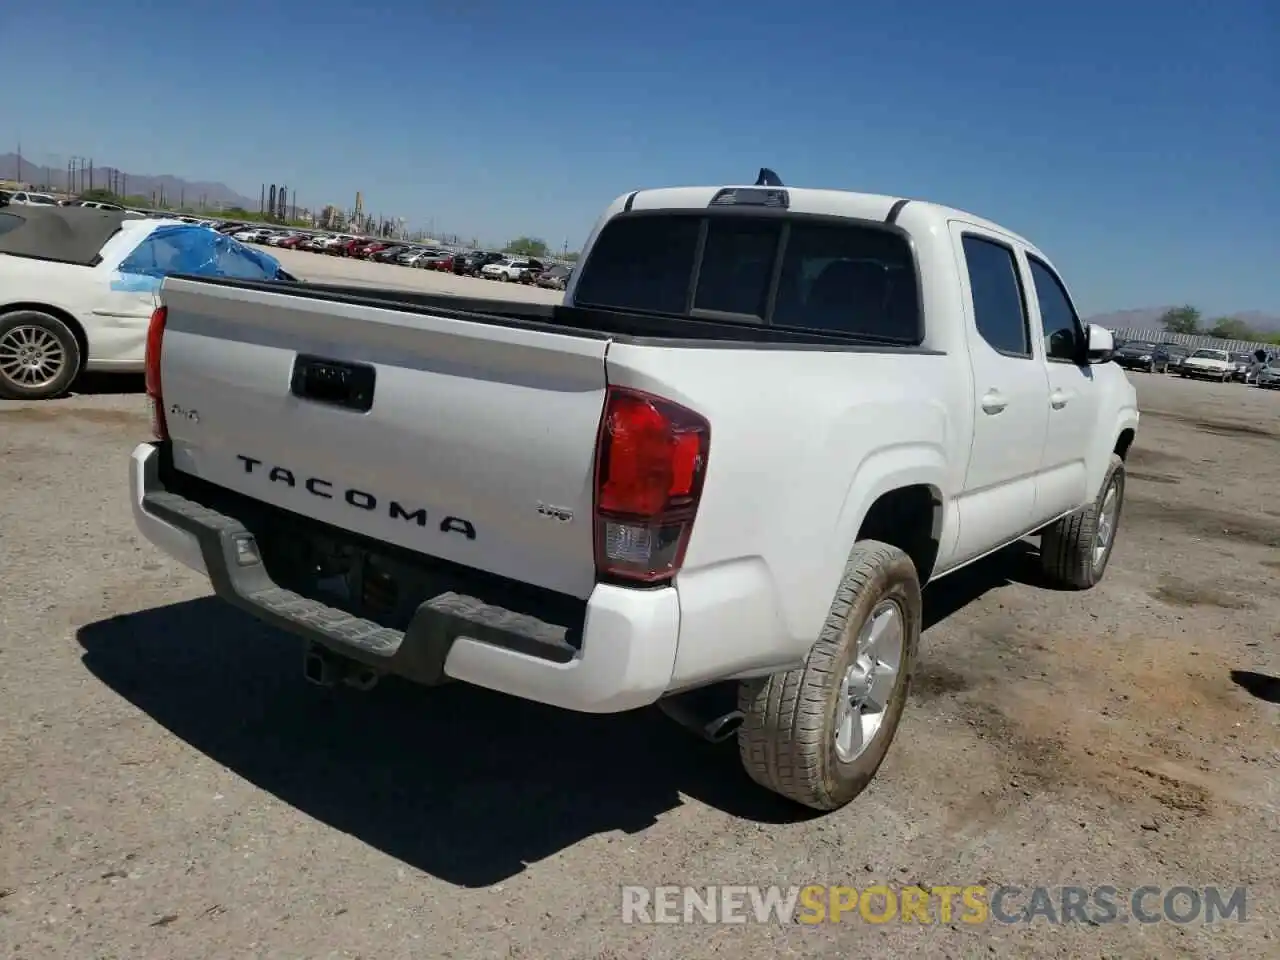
{"x": 91, "y": 173}
{"x": 19, "y": 161}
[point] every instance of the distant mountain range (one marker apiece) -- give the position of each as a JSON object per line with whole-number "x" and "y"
{"x": 175, "y": 189}
{"x": 1148, "y": 318}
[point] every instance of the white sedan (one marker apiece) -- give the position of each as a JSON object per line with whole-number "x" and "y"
{"x": 1208, "y": 364}
{"x": 78, "y": 287}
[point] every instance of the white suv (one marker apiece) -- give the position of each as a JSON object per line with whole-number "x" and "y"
{"x": 26, "y": 199}
{"x": 510, "y": 269}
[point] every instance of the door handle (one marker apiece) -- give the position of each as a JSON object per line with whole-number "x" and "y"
{"x": 1058, "y": 399}
{"x": 993, "y": 402}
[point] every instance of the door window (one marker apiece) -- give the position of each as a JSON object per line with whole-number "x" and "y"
{"x": 999, "y": 304}
{"x": 1063, "y": 335}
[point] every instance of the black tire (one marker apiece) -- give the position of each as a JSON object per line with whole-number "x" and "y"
{"x": 1067, "y": 547}
{"x": 787, "y": 740}
{"x": 14, "y": 390}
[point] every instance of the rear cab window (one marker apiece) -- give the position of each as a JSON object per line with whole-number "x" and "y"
{"x": 835, "y": 277}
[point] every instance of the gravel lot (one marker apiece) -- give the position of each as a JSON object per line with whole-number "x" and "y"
{"x": 170, "y": 787}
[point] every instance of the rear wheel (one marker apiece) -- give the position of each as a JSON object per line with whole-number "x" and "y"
{"x": 818, "y": 734}
{"x": 39, "y": 356}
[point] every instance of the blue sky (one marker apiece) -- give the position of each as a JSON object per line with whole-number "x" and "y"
{"x": 1135, "y": 142}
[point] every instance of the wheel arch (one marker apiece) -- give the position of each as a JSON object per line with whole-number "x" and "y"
{"x": 897, "y": 497}
{"x": 1123, "y": 442}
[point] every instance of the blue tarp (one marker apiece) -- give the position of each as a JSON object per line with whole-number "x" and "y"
{"x": 187, "y": 248}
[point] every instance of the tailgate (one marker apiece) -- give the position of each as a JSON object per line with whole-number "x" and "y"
{"x": 477, "y": 447}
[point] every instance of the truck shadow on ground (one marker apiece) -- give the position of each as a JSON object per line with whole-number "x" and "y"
{"x": 1260, "y": 685}
{"x": 467, "y": 785}
{"x": 108, "y": 384}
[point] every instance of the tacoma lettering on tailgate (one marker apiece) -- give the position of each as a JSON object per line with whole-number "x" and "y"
{"x": 359, "y": 499}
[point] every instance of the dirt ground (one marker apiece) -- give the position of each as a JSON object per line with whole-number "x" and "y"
{"x": 170, "y": 787}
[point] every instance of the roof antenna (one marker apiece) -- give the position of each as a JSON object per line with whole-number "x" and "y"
{"x": 768, "y": 178}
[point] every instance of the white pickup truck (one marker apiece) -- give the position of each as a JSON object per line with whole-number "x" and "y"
{"x": 715, "y": 478}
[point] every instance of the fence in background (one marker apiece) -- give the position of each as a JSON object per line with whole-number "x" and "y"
{"x": 1192, "y": 341}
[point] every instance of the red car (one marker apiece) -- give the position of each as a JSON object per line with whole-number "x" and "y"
{"x": 291, "y": 243}
{"x": 367, "y": 250}
{"x": 438, "y": 261}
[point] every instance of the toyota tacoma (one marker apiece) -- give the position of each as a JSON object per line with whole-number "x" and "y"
{"x": 715, "y": 478}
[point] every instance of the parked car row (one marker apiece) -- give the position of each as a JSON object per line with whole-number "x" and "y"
{"x": 1206, "y": 363}
{"x": 476, "y": 263}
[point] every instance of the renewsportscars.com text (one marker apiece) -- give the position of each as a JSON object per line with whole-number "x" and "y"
{"x": 971, "y": 904}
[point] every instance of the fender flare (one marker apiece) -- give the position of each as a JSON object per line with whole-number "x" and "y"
{"x": 913, "y": 463}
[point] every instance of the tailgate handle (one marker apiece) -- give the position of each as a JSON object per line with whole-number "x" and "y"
{"x": 334, "y": 382}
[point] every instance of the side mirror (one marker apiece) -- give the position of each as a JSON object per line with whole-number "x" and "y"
{"x": 1101, "y": 344}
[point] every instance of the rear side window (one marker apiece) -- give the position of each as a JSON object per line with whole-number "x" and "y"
{"x": 851, "y": 279}
{"x": 833, "y": 276}
{"x": 642, "y": 263}
{"x": 999, "y": 306}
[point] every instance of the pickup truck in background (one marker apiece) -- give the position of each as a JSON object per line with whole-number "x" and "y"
{"x": 715, "y": 478}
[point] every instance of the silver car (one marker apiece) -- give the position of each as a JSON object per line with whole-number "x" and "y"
{"x": 1244, "y": 371}
{"x": 1269, "y": 375}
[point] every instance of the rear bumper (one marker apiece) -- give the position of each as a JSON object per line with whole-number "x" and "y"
{"x": 624, "y": 659}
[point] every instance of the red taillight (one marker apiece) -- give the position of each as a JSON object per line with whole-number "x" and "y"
{"x": 651, "y": 459}
{"x": 155, "y": 339}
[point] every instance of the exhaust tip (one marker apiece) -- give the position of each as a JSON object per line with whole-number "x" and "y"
{"x": 722, "y": 728}
{"x": 363, "y": 679}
